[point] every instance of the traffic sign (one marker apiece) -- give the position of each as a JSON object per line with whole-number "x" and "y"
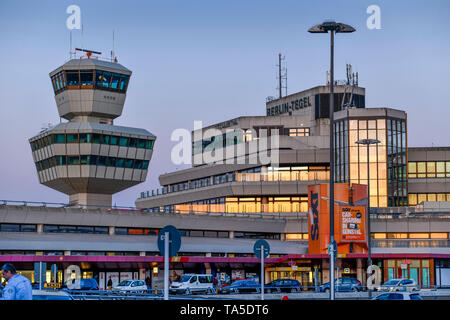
{"x": 174, "y": 240}
{"x": 257, "y": 248}
{"x": 333, "y": 246}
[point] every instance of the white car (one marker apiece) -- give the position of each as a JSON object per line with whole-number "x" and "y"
{"x": 191, "y": 283}
{"x": 399, "y": 296}
{"x": 399, "y": 285}
{"x": 131, "y": 286}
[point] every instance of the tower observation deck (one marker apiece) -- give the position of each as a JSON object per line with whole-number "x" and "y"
{"x": 88, "y": 157}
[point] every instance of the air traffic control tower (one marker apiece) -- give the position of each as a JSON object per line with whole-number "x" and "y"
{"x": 88, "y": 157}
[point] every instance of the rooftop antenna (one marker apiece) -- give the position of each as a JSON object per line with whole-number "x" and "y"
{"x": 88, "y": 52}
{"x": 70, "y": 43}
{"x": 112, "y": 51}
{"x": 282, "y": 75}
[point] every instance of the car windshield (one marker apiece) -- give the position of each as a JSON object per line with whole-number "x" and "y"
{"x": 185, "y": 278}
{"x": 392, "y": 283}
{"x": 124, "y": 283}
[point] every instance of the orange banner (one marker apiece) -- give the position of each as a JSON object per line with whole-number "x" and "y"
{"x": 352, "y": 224}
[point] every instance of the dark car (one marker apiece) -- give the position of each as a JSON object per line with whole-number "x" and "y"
{"x": 283, "y": 285}
{"x": 398, "y": 296}
{"x": 81, "y": 284}
{"x": 242, "y": 286}
{"x": 51, "y": 295}
{"x": 343, "y": 285}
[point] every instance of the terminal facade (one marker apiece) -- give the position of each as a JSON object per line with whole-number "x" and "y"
{"x": 223, "y": 208}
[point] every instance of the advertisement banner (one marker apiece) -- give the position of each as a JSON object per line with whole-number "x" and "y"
{"x": 352, "y": 222}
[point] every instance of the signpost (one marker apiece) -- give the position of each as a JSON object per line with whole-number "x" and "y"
{"x": 40, "y": 270}
{"x": 54, "y": 270}
{"x": 262, "y": 250}
{"x": 169, "y": 243}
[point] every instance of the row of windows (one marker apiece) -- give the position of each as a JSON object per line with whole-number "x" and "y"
{"x": 92, "y": 138}
{"x": 296, "y": 236}
{"x": 416, "y": 198}
{"x": 239, "y": 135}
{"x": 299, "y": 132}
{"x": 13, "y": 227}
{"x": 429, "y": 169}
{"x": 93, "y": 161}
{"x": 89, "y": 79}
{"x": 241, "y": 205}
{"x": 74, "y": 229}
{"x": 410, "y": 235}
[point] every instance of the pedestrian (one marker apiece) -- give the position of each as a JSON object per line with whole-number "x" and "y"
{"x": 109, "y": 284}
{"x": 148, "y": 283}
{"x": 18, "y": 287}
{"x": 215, "y": 283}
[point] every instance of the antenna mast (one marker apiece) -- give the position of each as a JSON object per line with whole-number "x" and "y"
{"x": 282, "y": 75}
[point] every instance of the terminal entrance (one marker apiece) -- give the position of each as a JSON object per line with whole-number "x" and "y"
{"x": 420, "y": 270}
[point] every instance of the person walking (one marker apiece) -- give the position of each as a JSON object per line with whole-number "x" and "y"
{"x": 18, "y": 287}
{"x": 109, "y": 284}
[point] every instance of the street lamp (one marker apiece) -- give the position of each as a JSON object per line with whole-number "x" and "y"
{"x": 334, "y": 27}
{"x": 368, "y": 142}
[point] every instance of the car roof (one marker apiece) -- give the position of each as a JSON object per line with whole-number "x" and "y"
{"x": 50, "y": 293}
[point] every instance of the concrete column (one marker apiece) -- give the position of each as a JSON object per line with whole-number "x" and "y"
{"x": 40, "y": 228}
{"x": 112, "y": 230}
{"x": 338, "y": 267}
{"x": 360, "y": 271}
{"x": 141, "y": 274}
{"x": 282, "y": 236}
{"x": 325, "y": 271}
{"x": 231, "y": 236}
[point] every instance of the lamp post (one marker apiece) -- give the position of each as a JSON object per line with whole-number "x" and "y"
{"x": 368, "y": 142}
{"x": 333, "y": 27}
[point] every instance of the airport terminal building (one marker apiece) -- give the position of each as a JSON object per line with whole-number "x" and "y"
{"x": 223, "y": 207}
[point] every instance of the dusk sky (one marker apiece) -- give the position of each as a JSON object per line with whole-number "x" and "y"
{"x": 213, "y": 61}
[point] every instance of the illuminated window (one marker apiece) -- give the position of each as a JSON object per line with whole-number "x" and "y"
{"x": 379, "y": 235}
{"x": 419, "y": 236}
{"x": 439, "y": 235}
{"x": 294, "y": 236}
{"x": 299, "y": 132}
{"x": 397, "y": 236}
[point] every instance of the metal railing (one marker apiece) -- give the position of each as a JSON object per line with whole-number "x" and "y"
{"x": 376, "y": 213}
{"x": 281, "y": 176}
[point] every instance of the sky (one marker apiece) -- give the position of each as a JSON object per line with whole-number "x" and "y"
{"x": 213, "y": 61}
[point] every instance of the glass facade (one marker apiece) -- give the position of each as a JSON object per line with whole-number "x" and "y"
{"x": 92, "y": 160}
{"x": 416, "y": 198}
{"x": 387, "y": 159}
{"x": 287, "y": 173}
{"x": 91, "y": 138}
{"x": 89, "y": 79}
{"x": 429, "y": 169}
{"x": 245, "y": 205}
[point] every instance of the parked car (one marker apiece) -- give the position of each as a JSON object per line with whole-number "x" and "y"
{"x": 81, "y": 284}
{"x": 342, "y": 285}
{"x": 193, "y": 283}
{"x": 399, "y": 296}
{"x": 131, "y": 286}
{"x": 283, "y": 285}
{"x": 51, "y": 295}
{"x": 225, "y": 284}
{"x": 241, "y": 286}
{"x": 399, "y": 285}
